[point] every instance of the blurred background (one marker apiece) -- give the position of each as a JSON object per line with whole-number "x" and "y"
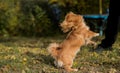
{"x": 37, "y": 18}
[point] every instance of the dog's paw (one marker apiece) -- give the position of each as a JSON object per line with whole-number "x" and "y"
{"x": 55, "y": 63}
{"x": 75, "y": 69}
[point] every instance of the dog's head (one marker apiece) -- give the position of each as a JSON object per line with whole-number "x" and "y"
{"x": 71, "y": 21}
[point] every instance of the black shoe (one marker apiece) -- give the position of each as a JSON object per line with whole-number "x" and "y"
{"x": 101, "y": 49}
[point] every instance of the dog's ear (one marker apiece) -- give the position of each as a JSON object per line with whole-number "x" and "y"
{"x": 69, "y": 14}
{"x": 78, "y": 22}
{"x": 80, "y": 18}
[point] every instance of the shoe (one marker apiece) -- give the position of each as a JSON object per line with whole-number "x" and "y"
{"x": 100, "y": 49}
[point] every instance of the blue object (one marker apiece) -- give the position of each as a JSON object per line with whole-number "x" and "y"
{"x": 96, "y": 16}
{"x": 103, "y": 17}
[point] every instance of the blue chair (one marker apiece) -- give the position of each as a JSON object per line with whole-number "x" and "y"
{"x": 102, "y": 17}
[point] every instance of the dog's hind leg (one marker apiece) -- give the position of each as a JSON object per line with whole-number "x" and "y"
{"x": 58, "y": 63}
{"x": 69, "y": 69}
{"x": 68, "y": 66}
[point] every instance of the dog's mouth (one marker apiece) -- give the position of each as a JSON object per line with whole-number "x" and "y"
{"x": 65, "y": 30}
{"x": 66, "y": 27}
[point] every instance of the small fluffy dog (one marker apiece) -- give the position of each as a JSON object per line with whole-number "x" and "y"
{"x": 79, "y": 35}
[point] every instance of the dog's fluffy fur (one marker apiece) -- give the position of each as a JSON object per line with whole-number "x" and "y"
{"x": 79, "y": 35}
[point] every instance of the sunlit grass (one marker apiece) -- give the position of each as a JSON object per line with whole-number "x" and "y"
{"x": 29, "y": 55}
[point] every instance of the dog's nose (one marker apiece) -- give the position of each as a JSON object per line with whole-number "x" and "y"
{"x": 60, "y": 25}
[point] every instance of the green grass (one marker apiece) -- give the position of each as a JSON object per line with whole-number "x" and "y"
{"x": 29, "y": 55}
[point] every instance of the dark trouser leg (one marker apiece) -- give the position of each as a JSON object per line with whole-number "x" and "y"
{"x": 110, "y": 32}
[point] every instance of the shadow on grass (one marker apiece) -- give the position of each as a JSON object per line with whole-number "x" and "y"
{"x": 3, "y": 40}
{"x": 41, "y": 42}
{"x": 43, "y": 59}
{"x": 115, "y": 65}
{"x": 47, "y": 59}
{"x": 22, "y": 42}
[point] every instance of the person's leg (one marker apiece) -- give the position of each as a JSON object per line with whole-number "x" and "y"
{"x": 111, "y": 28}
{"x": 110, "y": 32}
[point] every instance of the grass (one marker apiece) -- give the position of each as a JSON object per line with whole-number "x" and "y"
{"x": 29, "y": 55}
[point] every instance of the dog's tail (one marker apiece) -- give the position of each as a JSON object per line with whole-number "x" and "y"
{"x": 53, "y": 49}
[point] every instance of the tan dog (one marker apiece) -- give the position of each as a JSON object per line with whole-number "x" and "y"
{"x": 80, "y": 35}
